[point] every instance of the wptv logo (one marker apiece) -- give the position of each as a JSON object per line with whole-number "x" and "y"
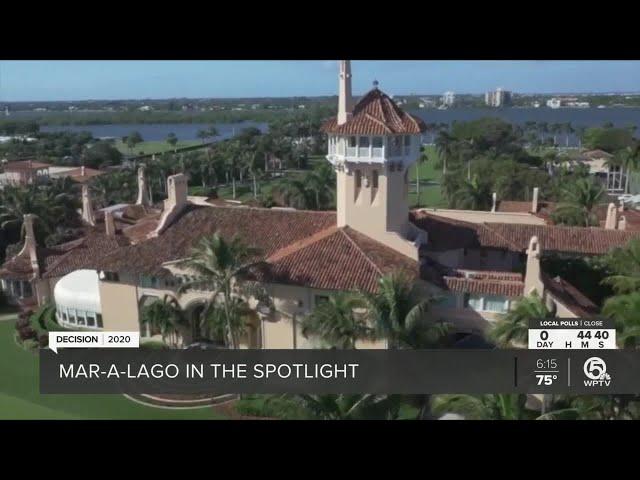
{"x": 595, "y": 369}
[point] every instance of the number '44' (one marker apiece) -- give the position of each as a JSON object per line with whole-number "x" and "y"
{"x": 587, "y": 334}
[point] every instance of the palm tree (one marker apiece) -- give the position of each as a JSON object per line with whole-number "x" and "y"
{"x": 421, "y": 159}
{"x": 252, "y": 161}
{"x": 568, "y": 130}
{"x": 295, "y": 192}
{"x": 321, "y": 182}
{"x": 495, "y": 407}
{"x": 202, "y": 135}
{"x": 172, "y": 140}
{"x": 337, "y": 323}
{"x": 400, "y": 313}
{"x": 349, "y": 407}
{"x": 163, "y": 316}
{"x": 444, "y": 147}
{"x": 511, "y": 330}
{"x": 625, "y": 263}
{"x": 579, "y": 202}
{"x": 473, "y": 195}
{"x": 628, "y": 159}
{"x": 218, "y": 265}
{"x": 625, "y": 310}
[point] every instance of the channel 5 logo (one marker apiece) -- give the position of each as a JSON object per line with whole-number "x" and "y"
{"x": 595, "y": 369}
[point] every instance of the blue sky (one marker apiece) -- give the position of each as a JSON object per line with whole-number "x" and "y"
{"x": 80, "y": 80}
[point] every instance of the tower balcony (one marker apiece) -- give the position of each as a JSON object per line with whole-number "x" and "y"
{"x": 374, "y": 149}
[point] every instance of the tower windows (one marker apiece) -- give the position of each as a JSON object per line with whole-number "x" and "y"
{"x": 377, "y": 144}
{"x": 358, "y": 177}
{"x": 352, "y": 144}
{"x": 363, "y": 146}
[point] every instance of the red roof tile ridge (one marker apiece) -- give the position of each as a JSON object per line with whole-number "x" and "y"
{"x": 508, "y": 242}
{"x": 265, "y": 209}
{"x": 362, "y": 252}
{"x": 300, "y": 244}
{"x": 378, "y": 121}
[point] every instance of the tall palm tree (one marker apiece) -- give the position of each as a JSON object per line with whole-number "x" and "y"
{"x": 624, "y": 262}
{"x": 321, "y": 182}
{"x": 421, "y": 160}
{"x": 217, "y": 265}
{"x": 295, "y": 192}
{"x": 400, "y": 313}
{"x": 473, "y": 195}
{"x": 512, "y": 328}
{"x": 579, "y": 202}
{"x": 629, "y": 160}
{"x": 444, "y": 147}
{"x": 625, "y": 310}
{"x": 337, "y": 323}
{"x": 202, "y": 135}
{"x": 163, "y": 315}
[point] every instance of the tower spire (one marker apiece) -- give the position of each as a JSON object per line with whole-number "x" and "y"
{"x": 345, "y": 100}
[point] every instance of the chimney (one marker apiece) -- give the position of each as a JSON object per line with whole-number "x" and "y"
{"x": 143, "y": 195}
{"x": 30, "y": 245}
{"x": 87, "y": 208}
{"x": 612, "y": 217}
{"x": 345, "y": 99}
{"x": 622, "y": 223}
{"x": 82, "y": 172}
{"x": 621, "y": 207}
{"x": 494, "y": 198}
{"x": 175, "y": 204}
{"x": 533, "y": 274}
{"x": 109, "y": 224}
{"x": 534, "y": 200}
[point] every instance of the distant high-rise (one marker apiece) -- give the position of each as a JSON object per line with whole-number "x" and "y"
{"x": 448, "y": 99}
{"x": 497, "y": 98}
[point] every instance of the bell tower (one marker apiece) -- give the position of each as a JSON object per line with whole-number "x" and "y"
{"x": 372, "y": 146}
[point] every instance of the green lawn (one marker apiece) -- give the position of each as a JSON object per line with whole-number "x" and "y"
{"x": 154, "y": 147}
{"x": 20, "y": 397}
{"x": 430, "y": 178}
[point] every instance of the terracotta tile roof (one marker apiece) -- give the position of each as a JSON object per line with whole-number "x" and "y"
{"x": 376, "y": 114}
{"x": 569, "y": 296}
{"x": 267, "y": 230}
{"x": 85, "y": 253}
{"x": 588, "y": 241}
{"x": 488, "y": 287}
{"x": 448, "y": 234}
{"x": 24, "y": 165}
{"x": 509, "y": 284}
{"x": 335, "y": 259}
{"x": 17, "y": 268}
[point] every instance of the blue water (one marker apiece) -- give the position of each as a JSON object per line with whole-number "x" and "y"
{"x": 158, "y": 132}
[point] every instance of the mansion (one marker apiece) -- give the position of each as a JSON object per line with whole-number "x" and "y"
{"x": 478, "y": 263}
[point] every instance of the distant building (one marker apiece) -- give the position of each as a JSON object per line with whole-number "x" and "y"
{"x": 570, "y": 102}
{"x": 498, "y": 98}
{"x": 449, "y": 99}
{"x": 25, "y": 172}
{"x": 145, "y": 108}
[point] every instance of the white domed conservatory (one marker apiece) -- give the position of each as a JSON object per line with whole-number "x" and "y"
{"x": 77, "y": 299}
